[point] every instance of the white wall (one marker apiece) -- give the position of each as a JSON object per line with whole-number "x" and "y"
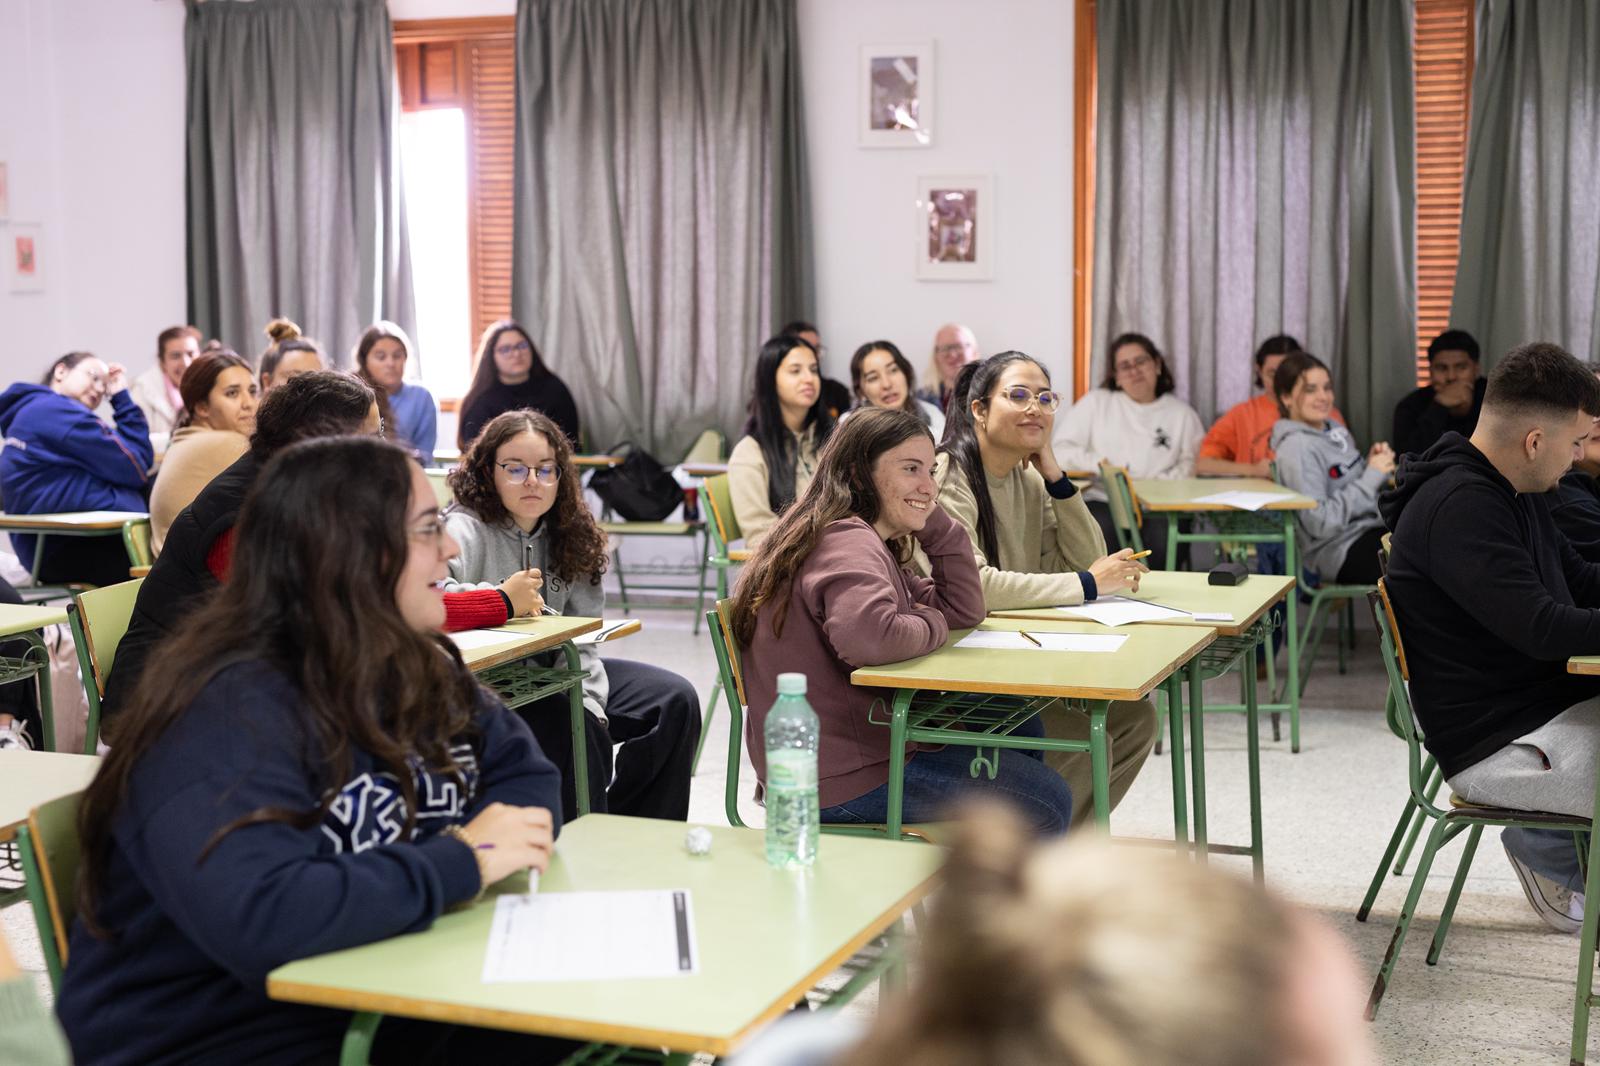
{"x": 1003, "y": 84}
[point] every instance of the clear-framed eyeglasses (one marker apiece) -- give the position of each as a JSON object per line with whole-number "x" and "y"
{"x": 519, "y": 473}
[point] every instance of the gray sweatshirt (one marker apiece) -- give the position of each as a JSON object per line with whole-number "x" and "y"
{"x": 492, "y": 553}
{"x": 1327, "y": 466}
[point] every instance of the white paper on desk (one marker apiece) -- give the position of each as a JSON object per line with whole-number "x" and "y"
{"x": 1244, "y": 501}
{"x": 599, "y": 634}
{"x": 472, "y": 639}
{"x": 1011, "y": 640}
{"x": 592, "y": 936}
{"x": 1212, "y": 616}
{"x": 1121, "y": 611}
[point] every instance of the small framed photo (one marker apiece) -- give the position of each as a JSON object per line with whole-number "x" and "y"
{"x": 24, "y": 267}
{"x": 955, "y": 231}
{"x": 896, "y": 108}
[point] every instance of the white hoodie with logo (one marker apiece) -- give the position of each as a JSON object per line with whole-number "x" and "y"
{"x": 1159, "y": 439}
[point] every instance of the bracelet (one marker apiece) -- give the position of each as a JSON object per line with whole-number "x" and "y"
{"x": 460, "y": 833}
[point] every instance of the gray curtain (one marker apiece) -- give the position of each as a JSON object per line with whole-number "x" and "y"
{"x": 662, "y": 208}
{"x": 294, "y": 194}
{"x": 1254, "y": 175}
{"x": 1530, "y": 218}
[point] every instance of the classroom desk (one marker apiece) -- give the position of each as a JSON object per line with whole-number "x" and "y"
{"x": 502, "y": 664}
{"x": 1249, "y": 604}
{"x": 1273, "y": 524}
{"x": 703, "y": 470}
{"x": 65, "y": 524}
{"x": 29, "y": 778}
{"x": 764, "y": 937}
{"x": 1091, "y": 681}
{"x": 24, "y": 622}
{"x": 595, "y": 462}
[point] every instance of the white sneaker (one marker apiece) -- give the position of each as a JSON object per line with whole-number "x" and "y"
{"x": 14, "y": 734}
{"x": 1558, "y": 907}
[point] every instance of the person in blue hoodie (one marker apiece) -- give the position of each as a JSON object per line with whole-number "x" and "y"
{"x": 59, "y": 456}
{"x": 313, "y": 768}
{"x": 1317, "y": 457}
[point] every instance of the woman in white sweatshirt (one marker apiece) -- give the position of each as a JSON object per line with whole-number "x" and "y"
{"x": 1134, "y": 420}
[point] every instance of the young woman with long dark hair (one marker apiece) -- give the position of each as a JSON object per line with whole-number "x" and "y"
{"x": 519, "y": 518}
{"x": 512, "y": 375}
{"x": 408, "y": 410}
{"x": 829, "y": 590}
{"x": 314, "y": 768}
{"x": 219, "y": 396}
{"x": 1034, "y": 541}
{"x": 882, "y": 377}
{"x": 772, "y": 463}
{"x": 60, "y": 456}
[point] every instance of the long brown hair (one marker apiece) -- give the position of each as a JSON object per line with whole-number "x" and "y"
{"x": 841, "y": 488}
{"x": 375, "y": 333}
{"x": 321, "y": 543}
{"x": 201, "y": 377}
{"x": 486, "y": 374}
{"x": 577, "y": 544}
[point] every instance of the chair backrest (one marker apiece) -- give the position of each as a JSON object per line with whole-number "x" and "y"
{"x": 441, "y": 486}
{"x": 719, "y": 623}
{"x": 707, "y": 448}
{"x": 1402, "y": 718}
{"x": 1385, "y": 545}
{"x": 136, "y": 539}
{"x": 50, "y": 859}
{"x": 715, "y": 490}
{"x": 99, "y": 620}
{"x": 1125, "y": 514}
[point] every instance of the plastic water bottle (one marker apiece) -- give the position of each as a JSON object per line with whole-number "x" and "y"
{"x": 791, "y": 739}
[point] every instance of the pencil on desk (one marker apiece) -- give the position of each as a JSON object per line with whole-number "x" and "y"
{"x": 1030, "y": 637}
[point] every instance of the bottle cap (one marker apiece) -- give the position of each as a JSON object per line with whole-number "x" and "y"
{"x": 791, "y": 684}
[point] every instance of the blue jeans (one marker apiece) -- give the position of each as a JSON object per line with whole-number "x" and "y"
{"x": 1548, "y": 852}
{"x": 934, "y": 780}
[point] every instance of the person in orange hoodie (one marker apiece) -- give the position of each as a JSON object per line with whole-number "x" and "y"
{"x": 1238, "y": 445}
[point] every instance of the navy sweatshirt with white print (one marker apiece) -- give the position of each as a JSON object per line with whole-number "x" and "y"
{"x": 183, "y": 979}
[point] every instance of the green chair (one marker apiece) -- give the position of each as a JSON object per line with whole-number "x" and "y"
{"x": 438, "y": 480}
{"x": 1126, "y": 517}
{"x": 709, "y": 441}
{"x": 48, "y": 845}
{"x": 716, "y": 508}
{"x": 1448, "y": 824}
{"x": 136, "y": 539}
{"x": 99, "y": 619}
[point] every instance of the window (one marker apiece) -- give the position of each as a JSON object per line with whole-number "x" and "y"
{"x": 458, "y": 103}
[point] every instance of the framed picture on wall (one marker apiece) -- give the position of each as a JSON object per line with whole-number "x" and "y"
{"x": 955, "y": 228}
{"x": 24, "y": 266}
{"x": 896, "y": 107}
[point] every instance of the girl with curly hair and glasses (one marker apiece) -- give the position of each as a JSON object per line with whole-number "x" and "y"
{"x": 522, "y": 525}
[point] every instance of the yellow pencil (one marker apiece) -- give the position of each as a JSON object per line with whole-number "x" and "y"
{"x": 1030, "y": 637}
{"x": 1141, "y": 555}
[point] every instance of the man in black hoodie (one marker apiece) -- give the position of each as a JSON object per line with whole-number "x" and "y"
{"x": 1492, "y": 601}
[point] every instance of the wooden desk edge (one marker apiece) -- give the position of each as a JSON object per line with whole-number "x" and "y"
{"x": 21, "y": 524}
{"x": 511, "y": 655}
{"x": 577, "y": 1029}
{"x": 1301, "y": 503}
{"x": 1586, "y": 668}
{"x": 1235, "y": 628}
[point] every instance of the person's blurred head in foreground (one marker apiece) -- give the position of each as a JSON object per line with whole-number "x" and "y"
{"x": 1080, "y": 953}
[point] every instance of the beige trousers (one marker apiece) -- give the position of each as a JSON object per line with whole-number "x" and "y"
{"x": 1130, "y": 734}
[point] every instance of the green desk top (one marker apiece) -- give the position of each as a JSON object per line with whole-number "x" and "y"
{"x": 1148, "y": 658}
{"x": 764, "y": 936}
{"x": 1190, "y": 592}
{"x": 29, "y": 778}
{"x": 17, "y": 618}
{"x": 103, "y": 521}
{"x": 1179, "y": 494}
{"x": 1584, "y": 664}
{"x": 522, "y": 638}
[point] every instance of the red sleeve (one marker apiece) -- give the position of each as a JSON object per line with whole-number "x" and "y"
{"x": 474, "y": 609}
{"x": 219, "y": 557}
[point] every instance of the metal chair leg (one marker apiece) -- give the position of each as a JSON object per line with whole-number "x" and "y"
{"x": 1439, "y": 934}
{"x": 1403, "y": 922}
{"x": 705, "y": 726}
{"x": 1388, "y": 856}
{"x": 1434, "y": 778}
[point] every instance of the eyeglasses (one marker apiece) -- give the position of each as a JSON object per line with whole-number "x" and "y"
{"x": 430, "y": 530}
{"x": 949, "y": 349}
{"x": 1022, "y": 396}
{"x": 513, "y": 349}
{"x": 1137, "y": 364}
{"x": 518, "y": 473}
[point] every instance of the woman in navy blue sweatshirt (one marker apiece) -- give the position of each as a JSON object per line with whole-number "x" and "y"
{"x": 312, "y": 768}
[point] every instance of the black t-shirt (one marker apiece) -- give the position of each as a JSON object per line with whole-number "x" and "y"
{"x": 545, "y": 393}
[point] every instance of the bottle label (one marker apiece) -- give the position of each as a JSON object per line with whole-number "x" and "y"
{"x": 793, "y": 769}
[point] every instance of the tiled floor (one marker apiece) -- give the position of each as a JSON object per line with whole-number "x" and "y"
{"x": 1502, "y": 993}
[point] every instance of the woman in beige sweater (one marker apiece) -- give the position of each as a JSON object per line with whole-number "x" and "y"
{"x": 219, "y": 414}
{"x": 772, "y": 463}
{"x": 1035, "y": 541}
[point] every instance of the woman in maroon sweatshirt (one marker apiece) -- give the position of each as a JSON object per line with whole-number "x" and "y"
{"x": 829, "y": 590}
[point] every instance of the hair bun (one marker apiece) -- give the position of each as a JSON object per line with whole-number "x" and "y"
{"x": 281, "y": 329}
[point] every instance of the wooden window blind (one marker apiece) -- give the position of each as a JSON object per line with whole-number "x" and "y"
{"x": 471, "y": 64}
{"x": 1442, "y": 59}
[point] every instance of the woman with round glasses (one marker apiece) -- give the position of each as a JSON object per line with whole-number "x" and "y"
{"x": 1035, "y": 542}
{"x": 882, "y": 377}
{"x": 522, "y": 527}
{"x": 511, "y": 375}
{"x": 1133, "y": 420}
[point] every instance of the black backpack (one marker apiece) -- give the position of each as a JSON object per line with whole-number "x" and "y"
{"x": 639, "y": 489}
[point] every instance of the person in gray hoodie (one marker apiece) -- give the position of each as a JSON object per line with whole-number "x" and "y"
{"x": 519, "y": 517}
{"x": 1317, "y": 457}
